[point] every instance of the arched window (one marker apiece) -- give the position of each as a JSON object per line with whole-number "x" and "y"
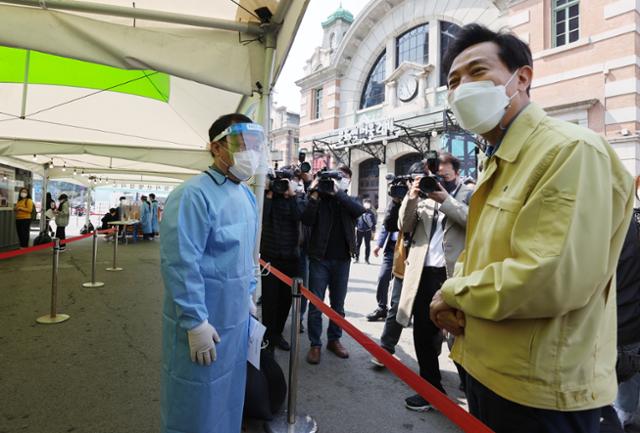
{"x": 332, "y": 40}
{"x": 405, "y": 162}
{"x": 368, "y": 183}
{"x": 373, "y": 93}
{"x": 448, "y": 32}
{"x": 413, "y": 46}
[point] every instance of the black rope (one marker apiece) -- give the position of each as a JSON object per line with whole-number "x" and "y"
{"x": 175, "y": 111}
{"x": 242, "y": 7}
{"x": 90, "y": 94}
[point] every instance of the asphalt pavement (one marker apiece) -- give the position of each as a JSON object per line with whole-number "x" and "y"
{"x": 99, "y": 372}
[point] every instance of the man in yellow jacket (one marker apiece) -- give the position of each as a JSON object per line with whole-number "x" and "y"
{"x": 533, "y": 296}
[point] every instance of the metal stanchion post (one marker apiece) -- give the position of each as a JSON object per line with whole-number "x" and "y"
{"x": 115, "y": 267}
{"x": 94, "y": 257}
{"x": 290, "y": 421}
{"x": 53, "y": 316}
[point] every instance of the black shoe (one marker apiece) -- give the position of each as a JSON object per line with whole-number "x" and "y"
{"x": 417, "y": 403}
{"x": 282, "y": 344}
{"x": 355, "y": 261}
{"x": 378, "y": 314}
{"x": 301, "y": 328}
{"x": 367, "y": 262}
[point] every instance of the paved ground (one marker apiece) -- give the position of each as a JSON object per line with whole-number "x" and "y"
{"x": 99, "y": 372}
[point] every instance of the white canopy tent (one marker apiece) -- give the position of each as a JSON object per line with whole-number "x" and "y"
{"x": 128, "y": 90}
{"x": 191, "y": 60}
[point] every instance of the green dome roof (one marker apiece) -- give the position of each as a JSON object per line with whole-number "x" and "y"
{"x": 339, "y": 14}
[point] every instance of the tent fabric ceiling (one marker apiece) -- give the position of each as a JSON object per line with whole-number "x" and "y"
{"x": 76, "y": 122}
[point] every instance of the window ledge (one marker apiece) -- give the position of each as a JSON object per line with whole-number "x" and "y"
{"x": 313, "y": 122}
{"x": 368, "y": 109}
{"x": 552, "y": 51}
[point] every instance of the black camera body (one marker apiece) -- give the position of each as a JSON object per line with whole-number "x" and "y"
{"x": 325, "y": 180}
{"x": 429, "y": 183}
{"x": 303, "y": 166}
{"x": 279, "y": 181}
{"x": 398, "y": 185}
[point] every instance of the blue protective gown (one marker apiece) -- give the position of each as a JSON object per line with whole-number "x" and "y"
{"x": 208, "y": 232}
{"x": 154, "y": 217}
{"x": 145, "y": 217}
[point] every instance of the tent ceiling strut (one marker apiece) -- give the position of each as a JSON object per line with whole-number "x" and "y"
{"x": 145, "y": 14}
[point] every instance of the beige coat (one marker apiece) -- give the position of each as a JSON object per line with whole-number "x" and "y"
{"x": 456, "y": 208}
{"x": 417, "y": 215}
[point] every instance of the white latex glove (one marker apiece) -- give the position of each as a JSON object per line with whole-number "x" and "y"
{"x": 253, "y": 309}
{"x": 202, "y": 341}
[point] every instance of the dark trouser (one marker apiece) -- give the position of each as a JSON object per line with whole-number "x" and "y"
{"x": 23, "y": 227}
{"x": 504, "y": 416}
{"x": 425, "y": 332}
{"x": 304, "y": 274}
{"x": 60, "y": 234}
{"x": 384, "y": 278}
{"x": 367, "y": 244}
{"x": 610, "y": 423}
{"x": 392, "y": 329}
{"x": 323, "y": 273}
{"x": 276, "y": 298}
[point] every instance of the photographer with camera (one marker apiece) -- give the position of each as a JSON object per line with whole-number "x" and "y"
{"x": 434, "y": 214}
{"x": 386, "y": 242}
{"x": 331, "y": 214}
{"x": 280, "y": 246}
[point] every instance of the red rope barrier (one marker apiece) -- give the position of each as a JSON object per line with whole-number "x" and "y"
{"x": 21, "y": 252}
{"x": 440, "y": 401}
{"x": 75, "y": 238}
{"x": 15, "y": 253}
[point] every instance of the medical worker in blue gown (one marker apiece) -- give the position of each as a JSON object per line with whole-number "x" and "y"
{"x": 208, "y": 233}
{"x": 145, "y": 218}
{"x": 155, "y": 228}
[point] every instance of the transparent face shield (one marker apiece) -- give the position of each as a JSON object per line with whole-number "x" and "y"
{"x": 246, "y": 137}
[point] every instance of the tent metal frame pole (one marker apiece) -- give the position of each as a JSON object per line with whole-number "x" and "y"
{"x": 25, "y": 84}
{"x": 264, "y": 118}
{"x": 43, "y": 201}
{"x": 144, "y": 14}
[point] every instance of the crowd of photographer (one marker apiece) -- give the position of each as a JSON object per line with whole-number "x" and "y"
{"x": 423, "y": 229}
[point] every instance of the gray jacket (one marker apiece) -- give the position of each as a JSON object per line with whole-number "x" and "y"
{"x": 415, "y": 217}
{"x": 62, "y": 216}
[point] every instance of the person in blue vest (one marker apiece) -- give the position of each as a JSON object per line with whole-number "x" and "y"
{"x": 145, "y": 218}
{"x": 155, "y": 228}
{"x": 207, "y": 237}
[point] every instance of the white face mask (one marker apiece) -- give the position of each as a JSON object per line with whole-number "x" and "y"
{"x": 245, "y": 164}
{"x": 367, "y": 206}
{"x": 23, "y": 195}
{"x": 344, "y": 184}
{"x": 479, "y": 106}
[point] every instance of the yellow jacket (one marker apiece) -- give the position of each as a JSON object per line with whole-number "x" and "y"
{"x": 23, "y": 209}
{"x": 537, "y": 281}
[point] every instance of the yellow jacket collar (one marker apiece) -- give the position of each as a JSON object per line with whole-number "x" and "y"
{"x": 519, "y": 131}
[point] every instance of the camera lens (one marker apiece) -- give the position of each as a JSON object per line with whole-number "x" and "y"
{"x": 428, "y": 184}
{"x": 305, "y": 167}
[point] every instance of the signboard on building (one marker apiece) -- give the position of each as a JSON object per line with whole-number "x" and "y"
{"x": 368, "y": 132}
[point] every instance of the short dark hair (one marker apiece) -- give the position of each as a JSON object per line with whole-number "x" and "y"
{"x": 223, "y": 122}
{"x": 113, "y": 210}
{"x": 122, "y": 198}
{"x": 345, "y": 169}
{"x": 152, "y": 195}
{"x": 513, "y": 51}
{"x": 447, "y": 158}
